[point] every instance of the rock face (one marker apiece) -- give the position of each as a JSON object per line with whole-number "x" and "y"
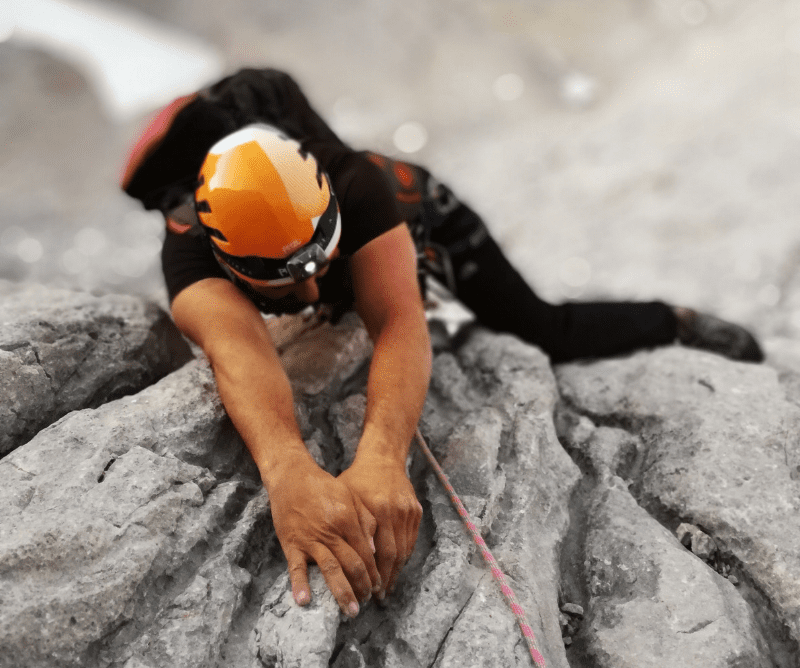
{"x": 62, "y": 350}
{"x": 715, "y": 447}
{"x": 136, "y": 534}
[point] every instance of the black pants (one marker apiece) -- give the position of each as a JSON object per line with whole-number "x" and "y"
{"x": 487, "y": 284}
{"x": 483, "y": 279}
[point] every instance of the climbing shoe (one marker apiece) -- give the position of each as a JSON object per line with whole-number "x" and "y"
{"x": 706, "y": 332}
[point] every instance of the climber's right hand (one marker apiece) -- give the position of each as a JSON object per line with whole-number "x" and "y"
{"x": 317, "y": 519}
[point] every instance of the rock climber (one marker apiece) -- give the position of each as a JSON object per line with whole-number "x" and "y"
{"x": 268, "y": 211}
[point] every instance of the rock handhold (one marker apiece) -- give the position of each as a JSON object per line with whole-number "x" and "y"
{"x": 722, "y": 458}
{"x": 107, "y": 517}
{"x": 62, "y": 350}
{"x": 651, "y": 601}
{"x": 289, "y": 636}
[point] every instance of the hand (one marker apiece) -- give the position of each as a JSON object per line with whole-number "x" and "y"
{"x": 384, "y": 488}
{"x": 317, "y": 518}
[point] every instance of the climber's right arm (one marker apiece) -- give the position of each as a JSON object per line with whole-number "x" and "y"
{"x": 316, "y": 517}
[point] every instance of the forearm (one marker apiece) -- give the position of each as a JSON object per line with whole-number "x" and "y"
{"x": 316, "y": 516}
{"x": 398, "y": 383}
{"x": 258, "y": 398}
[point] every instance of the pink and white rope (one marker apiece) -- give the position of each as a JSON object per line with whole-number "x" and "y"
{"x": 498, "y": 575}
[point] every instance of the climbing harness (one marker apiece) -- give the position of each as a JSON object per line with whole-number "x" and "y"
{"x": 516, "y": 608}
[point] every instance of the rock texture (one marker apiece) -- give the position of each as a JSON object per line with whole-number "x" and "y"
{"x": 651, "y": 599}
{"x": 136, "y": 534}
{"x": 716, "y": 447}
{"x": 62, "y": 350}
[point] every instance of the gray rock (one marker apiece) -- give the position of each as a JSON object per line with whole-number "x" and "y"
{"x": 605, "y": 451}
{"x": 206, "y": 608}
{"x": 471, "y": 461}
{"x": 350, "y": 657}
{"x": 703, "y": 545}
{"x": 652, "y": 601}
{"x": 137, "y": 534}
{"x": 700, "y": 543}
{"x": 484, "y": 633}
{"x": 293, "y": 637}
{"x": 685, "y": 532}
{"x": 446, "y": 585}
{"x": 125, "y": 530}
{"x": 488, "y": 418}
{"x": 722, "y": 449}
{"x": 348, "y": 418}
{"x": 514, "y": 380}
{"x": 106, "y": 518}
{"x": 321, "y": 357}
{"x": 572, "y": 609}
{"x": 62, "y": 350}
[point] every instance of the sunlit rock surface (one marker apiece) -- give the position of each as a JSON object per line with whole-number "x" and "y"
{"x": 62, "y": 350}
{"x": 136, "y": 534}
{"x": 717, "y": 448}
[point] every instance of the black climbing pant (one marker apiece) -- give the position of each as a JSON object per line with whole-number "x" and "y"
{"x": 462, "y": 255}
{"x": 488, "y": 285}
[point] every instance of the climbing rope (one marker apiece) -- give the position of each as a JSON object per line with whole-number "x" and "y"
{"x": 516, "y": 608}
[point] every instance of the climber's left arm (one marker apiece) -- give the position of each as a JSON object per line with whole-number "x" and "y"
{"x": 389, "y": 302}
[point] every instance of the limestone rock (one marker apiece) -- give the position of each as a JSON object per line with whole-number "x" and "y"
{"x": 491, "y": 427}
{"x": 320, "y": 356}
{"x": 721, "y": 451}
{"x": 138, "y": 535}
{"x": 294, "y": 637}
{"x": 134, "y": 534}
{"x": 604, "y": 451}
{"x": 106, "y": 517}
{"x": 511, "y": 385}
{"x": 206, "y": 608}
{"x": 652, "y": 601}
{"x": 62, "y": 350}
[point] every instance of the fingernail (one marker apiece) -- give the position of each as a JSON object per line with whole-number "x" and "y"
{"x": 352, "y": 610}
{"x": 372, "y": 545}
{"x": 302, "y": 598}
{"x": 381, "y": 595}
{"x": 377, "y": 586}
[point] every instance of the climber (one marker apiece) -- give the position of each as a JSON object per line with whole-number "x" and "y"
{"x": 268, "y": 211}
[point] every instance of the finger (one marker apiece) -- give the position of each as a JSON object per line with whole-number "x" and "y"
{"x": 405, "y": 547}
{"x": 369, "y": 526}
{"x": 367, "y": 520}
{"x": 298, "y": 576}
{"x": 386, "y": 556}
{"x": 412, "y": 528}
{"x": 354, "y": 568}
{"x": 400, "y": 539}
{"x": 335, "y": 579}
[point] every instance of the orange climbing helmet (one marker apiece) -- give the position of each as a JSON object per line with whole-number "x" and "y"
{"x": 267, "y": 207}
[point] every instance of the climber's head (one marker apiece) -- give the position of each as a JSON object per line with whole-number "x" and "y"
{"x": 268, "y": 209}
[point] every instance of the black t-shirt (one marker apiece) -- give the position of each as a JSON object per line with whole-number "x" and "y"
{"x": 169, "y": 174}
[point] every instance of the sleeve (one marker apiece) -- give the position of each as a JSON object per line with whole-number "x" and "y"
{"x": 368, "y": 207}
{"x": 186, "y": 259}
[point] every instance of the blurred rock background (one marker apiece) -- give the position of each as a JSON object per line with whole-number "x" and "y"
{"x": 617, "y": 148}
